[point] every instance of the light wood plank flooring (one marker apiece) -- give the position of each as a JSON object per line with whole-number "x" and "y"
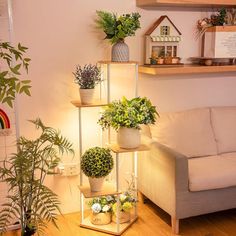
{"x": 153, "y": 221}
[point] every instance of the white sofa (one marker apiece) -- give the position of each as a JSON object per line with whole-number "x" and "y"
{"x": 191, "y": 166}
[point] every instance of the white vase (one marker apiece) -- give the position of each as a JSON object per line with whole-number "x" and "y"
{"x": 102, "y": 218}
{"x": 96, "y": 184}
{"x": 86, "y": 96}
{"x": 124, "y": 217}
{"x": 128, "y": 138}
{"x": 120, "y": 52}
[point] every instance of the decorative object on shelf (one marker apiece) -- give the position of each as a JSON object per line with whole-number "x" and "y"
{"x": 87, "y": 78}
{"x": 97, "y": 163}
{"x": 125, "y": 203}
{"x": 101, "y": 210}
{"x": 162, "y": 41}
{"x": 32, "y": 202}
{"x": 125, "y": 116}
{"x": 4, "y": 124}
{"x": 117, "y": 28}
{"x": 219, "y": 34}
{"x": 11, "y": 84}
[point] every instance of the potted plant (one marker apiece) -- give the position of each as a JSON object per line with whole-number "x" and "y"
{"x": 126, "y": 203}
{"x": 126, "y": 116}
{"x": 96, "y": 163}
{"x": 12, "y": 61}
{"x": 117, "y": 28}
{"x": 87, "y": 77}
{"x": 29, "y": 200}
{"x": 161, "y": 56}
{"x": 101, "y": 210}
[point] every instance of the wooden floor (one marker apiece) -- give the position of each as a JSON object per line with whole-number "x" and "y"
{"x": 153, "y": 221}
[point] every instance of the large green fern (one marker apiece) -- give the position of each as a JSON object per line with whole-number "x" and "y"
{"x": 29, "y": 200}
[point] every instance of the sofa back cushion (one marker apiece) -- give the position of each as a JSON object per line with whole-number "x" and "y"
{"x": 188, "y": 132}
{"x": 224, "y": 128}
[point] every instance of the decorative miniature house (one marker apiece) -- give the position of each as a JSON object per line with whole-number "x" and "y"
{"x": 162, "y": 40}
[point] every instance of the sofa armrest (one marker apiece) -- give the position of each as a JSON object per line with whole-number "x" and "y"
{"x": 176, "y": 164}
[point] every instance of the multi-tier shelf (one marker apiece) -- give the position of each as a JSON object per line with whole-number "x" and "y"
{"x": 111, "y": 187}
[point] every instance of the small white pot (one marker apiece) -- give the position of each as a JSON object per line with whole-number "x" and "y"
{"x": 128, "y": 138}
{"x": 124, "y": 217}
{"x": 86, "y": 96}
{"x": 96, "y": 184}
{"x": 102, "y": 218}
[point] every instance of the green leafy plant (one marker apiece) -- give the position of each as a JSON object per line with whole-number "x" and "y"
{"x": 29, "y": 200}
{"x": 10, "y": 83}
{"x": 116, "y": 27}
{"x": 128, "y": 113}
{"x": 97, "y": 162}
{"x": 88, "y": 76}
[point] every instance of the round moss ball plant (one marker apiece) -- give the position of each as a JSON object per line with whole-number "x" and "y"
{"x": 96, "y": 163}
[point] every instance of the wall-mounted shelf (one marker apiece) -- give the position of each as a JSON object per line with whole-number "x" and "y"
{"x": 186, "y": 3}
{"x": 186, "y": 69}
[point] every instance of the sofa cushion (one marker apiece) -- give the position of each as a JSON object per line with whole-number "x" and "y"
{"x": 224, "y": 128}
{"x": 188, "y": 132}
{"x": 212, "y": 172}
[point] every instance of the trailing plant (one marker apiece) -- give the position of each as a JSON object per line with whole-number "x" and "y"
{"x": 88, "y": 76}
{"x": 97, "y": 162}
{"x": 10, "y": 83}
{"x": 29, "y": 200}
{"x": 116, "y": 27}
{"x": 128, "y": 113}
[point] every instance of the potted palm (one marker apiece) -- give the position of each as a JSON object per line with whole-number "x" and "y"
{"x": 117, "y": 28}
{"x": 126, "y": 116}
{"x": 87, "y": 77}
{"x": 29, "y": 200}
{"x": 96, "y": 164}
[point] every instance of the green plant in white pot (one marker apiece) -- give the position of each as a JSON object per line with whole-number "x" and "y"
{"x": 117, "y": 28}
{"x": 126, "y": 116}
{"x": 87, "y": 78}
{"x": 96, "y": 164}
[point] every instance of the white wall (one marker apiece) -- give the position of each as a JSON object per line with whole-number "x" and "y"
{"x": 61, "y": 34}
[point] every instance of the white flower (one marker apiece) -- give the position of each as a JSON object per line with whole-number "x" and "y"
{"x": 96, "y": 208}
{"x": 123, "y": 197}
{"x": 106, "y": 208}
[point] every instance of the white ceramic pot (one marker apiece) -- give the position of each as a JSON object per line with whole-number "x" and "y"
{"x": 124, "y": 217}
{"x": 86, "y": 95}
{"x": 128, "y": 138}
{"x": 102, "y": 218}
{"x": 96, "y": 184}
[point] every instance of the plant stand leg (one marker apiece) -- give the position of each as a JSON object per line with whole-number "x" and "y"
{"x": 143, "y": 198}
{"x": 175, "y": 225}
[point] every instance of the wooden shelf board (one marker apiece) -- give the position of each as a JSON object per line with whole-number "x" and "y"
{"x": 119, "y": 63}
{"x": 186, "y": 69}
{"x": 116, "y": 149}
{"x": 109, "y": 228}
{"x": 185, "y": 3}
{"x": 108, "y": 189}
{"x": 77, "y": 103}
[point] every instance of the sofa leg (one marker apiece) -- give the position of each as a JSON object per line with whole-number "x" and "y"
{"x": 143, "y": 198}
{"x": 174, "y": 225}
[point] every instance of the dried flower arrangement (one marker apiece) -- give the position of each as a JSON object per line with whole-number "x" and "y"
{"x": 222, "y": 17}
